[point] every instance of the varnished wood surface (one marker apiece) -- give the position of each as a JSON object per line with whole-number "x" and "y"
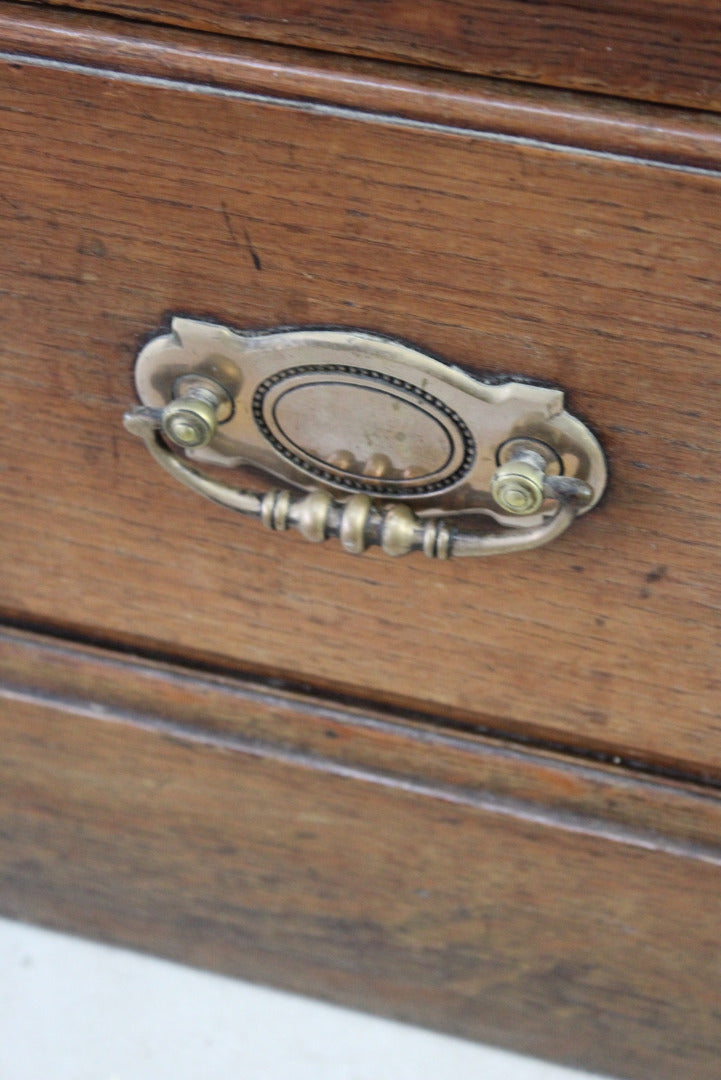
{"x": 590, "y": 798}
{"x": 124, "y": 199}
{"x": 653, "y": 50}
{"x": 580, "y": 120}
{"x": 250, "y": 833}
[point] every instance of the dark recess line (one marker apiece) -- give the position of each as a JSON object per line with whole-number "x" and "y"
{"x": 335, "y": 700}
{"x": 369, "y": 55}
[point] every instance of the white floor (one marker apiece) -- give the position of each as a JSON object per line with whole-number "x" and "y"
{"x": 71, "y": 1010}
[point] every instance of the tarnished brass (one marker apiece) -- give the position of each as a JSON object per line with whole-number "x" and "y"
{"x": 518, "y": 486}
{"x": 191, "y": 419}
{"x": 395, "y": 448}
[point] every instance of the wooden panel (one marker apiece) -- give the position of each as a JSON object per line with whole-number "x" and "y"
{"x": 652, "y": 811}
{"x": 250, "y": 833}
{"x": 658, "y": 50}
{"x": 598, "y": 273}
{"x": 679, "y": 136}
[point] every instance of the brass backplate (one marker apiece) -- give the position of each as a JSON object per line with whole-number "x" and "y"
{"x": 354, "y": 412}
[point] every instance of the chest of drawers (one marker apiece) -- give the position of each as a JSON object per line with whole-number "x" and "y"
{"x": 479, "y": 795}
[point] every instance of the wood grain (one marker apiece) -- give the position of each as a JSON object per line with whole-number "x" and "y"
{"x": 124, "y": 199}
{"x": 590, "y": 798}
{"x": 653, "y": 50}
{"x": 586, "y": 121}
{"x": 581, "y": 120}
{"x": 252, "y": 834}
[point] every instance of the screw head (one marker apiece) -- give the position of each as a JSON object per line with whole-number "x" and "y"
{"x": 189, "y": 422}
{"x": 517, "y": 487}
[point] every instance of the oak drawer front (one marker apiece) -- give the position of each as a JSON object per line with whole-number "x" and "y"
{"x": 564, "y": 911}
{"x": 663, "y": 51}
{"x": 126, "y": 198}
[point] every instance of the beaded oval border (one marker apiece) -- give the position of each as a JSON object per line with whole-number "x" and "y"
{"x": 380, "y": 486}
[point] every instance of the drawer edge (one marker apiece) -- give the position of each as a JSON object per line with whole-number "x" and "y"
{"x": 370, "y": 745}
{"x": 654, "y": 134}
{"x": 242, "y": 854}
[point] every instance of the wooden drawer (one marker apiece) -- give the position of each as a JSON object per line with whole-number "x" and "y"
{"x": 597, "y": 272}
{"x": 481, "y": 794}
{"x": 667, "y": 51}
{"x": 564, "y": 911}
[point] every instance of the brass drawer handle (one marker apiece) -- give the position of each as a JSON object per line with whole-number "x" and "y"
{"x": 379, "y": 444}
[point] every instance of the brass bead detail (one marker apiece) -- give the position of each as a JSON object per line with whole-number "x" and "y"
{"x": 344, "y": 461}
{"x": 399, "y": 530}
{"x": 353, "y": 524}
{"x": 274, "y": 510}
{"x": 378, "y": 466}
{"x": 436, "y": 540}
{"x": 311, "y": 514}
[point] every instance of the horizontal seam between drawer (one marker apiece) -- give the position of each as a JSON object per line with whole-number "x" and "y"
{"x": 353, "y": 114}
{"x": 529, "y": 813}
{"x": 246, "y": 683}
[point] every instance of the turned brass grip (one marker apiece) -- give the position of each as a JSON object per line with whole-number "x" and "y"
{"x": 379, "y": 445}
